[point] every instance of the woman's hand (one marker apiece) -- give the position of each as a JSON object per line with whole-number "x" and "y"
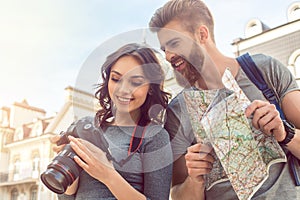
{"x": 92, "y": 159}
{"x": 57, "y": 148}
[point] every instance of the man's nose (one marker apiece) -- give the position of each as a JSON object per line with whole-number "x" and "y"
{"x": 169, "y": 55}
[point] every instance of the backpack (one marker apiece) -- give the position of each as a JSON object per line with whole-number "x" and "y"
{"x": 256, "y": 77}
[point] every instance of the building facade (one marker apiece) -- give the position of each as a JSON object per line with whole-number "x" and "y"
{"x": 25, "y": 146}
{"x": 281, "y": 42}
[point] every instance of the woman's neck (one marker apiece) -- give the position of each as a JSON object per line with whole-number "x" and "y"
{"x": 126, "y": 119}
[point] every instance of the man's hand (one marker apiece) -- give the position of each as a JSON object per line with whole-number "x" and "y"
{"x": 199, "y": 161}
{"x": 266, "y": 118}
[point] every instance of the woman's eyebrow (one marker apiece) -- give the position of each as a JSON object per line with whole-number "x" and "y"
{"x": 133, "y": 76}
{"x": 116, "y": 72}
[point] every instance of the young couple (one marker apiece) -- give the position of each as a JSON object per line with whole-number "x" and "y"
{"x": 133, "y": 83}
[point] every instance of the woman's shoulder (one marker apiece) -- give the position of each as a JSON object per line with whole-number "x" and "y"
{"x": 156, "y": 131}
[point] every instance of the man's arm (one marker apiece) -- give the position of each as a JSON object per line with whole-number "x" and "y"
{"x": 291, "y": 109}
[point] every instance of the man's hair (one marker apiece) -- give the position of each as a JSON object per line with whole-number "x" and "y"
{"x": 192, "y": 14}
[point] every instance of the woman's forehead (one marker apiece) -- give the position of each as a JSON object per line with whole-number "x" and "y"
{"x": 129, "y": 66}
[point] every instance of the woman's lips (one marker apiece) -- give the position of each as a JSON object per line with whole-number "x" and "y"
{"x": 124, "y": 100}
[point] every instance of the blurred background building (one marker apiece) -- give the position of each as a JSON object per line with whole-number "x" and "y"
{"x": 281, "y": 42}
{"x": 25, "y": 146}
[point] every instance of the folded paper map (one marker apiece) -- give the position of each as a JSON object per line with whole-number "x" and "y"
{"x": 243, "y": 154}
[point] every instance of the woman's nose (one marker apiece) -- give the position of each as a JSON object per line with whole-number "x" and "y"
{"x": 124, "y": 87}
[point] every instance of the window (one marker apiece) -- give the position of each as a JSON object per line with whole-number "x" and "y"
{"x": 37, "y": 129}
{"x": 16, "y": 169}
{"x": 35, "y": 165}
{"x": 297, "y": 69}
{"x": 294, "y": 11}
{"x": 14, "y": 194}
{"x": 294, "y": 65}
{"x": 18, "y": 134}
{"x": 33, "y": 193}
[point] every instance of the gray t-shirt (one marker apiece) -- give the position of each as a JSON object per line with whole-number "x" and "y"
{"x": 149, "y": 170}
{"x": 280, "y": 184}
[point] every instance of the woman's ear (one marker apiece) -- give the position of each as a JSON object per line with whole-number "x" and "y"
{"x": 150, "y": 92}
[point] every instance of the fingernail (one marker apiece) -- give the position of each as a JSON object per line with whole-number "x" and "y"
{"x": 70, "y": 137}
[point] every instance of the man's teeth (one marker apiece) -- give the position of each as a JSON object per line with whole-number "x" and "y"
{"x": 178, "y": 63}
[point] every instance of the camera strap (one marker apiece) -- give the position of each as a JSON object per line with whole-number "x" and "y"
{"x": 136, "y": 139}
{"x": 135, "y": 143}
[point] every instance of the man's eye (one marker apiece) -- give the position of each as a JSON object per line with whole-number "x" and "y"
{"x": 174, "y": 44}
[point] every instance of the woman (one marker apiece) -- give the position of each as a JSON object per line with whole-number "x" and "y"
{"x": 132, "y": 100}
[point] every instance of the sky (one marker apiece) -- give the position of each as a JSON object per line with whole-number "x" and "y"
{"x": 47, "y": 45}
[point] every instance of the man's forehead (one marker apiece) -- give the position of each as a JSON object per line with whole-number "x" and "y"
{"x": 165, "y": 35}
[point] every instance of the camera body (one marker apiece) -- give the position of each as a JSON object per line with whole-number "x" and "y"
{"x": 63, "y": 170}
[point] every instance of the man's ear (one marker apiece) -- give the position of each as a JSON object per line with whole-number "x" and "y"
{"x": 202, "y": 33}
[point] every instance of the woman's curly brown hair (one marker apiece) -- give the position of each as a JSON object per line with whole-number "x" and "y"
{"x": 152, "y": 71}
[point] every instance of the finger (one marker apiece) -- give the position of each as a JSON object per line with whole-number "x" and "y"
{"x": 80, "y": 150}
{"x": 207, "y": 157}
{"x": 58, "y": 149}
{"x": 253, "y": 106}
{"x": 54, "y": 138}
{"x": 81, "y": 163}
{"x": 269, "y": 122}
{"x": 199, "y": 147}
{"x": 199, "y": 164}
{"x": 90, "y": 146}
{"x": 264, "y": 115}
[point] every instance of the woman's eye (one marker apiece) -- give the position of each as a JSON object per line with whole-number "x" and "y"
{"x": 114, "y": 79}
{"x": 136, "y": 83}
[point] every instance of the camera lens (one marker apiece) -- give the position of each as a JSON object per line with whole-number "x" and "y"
{"x": 62, "y": 171}
{"x": 55, "y": 181}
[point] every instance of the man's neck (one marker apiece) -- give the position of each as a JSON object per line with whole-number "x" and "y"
{"x": 214, "y": 67}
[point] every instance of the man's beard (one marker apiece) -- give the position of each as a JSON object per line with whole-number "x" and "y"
{"x": 191, "y": 72}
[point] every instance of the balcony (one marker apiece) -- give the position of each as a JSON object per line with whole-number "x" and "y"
{"x": 31, "y": 176}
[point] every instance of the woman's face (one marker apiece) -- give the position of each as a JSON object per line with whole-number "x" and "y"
{"x": 127, "y": 85}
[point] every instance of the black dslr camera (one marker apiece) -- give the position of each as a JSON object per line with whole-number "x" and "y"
{"x": 63, "y": 170}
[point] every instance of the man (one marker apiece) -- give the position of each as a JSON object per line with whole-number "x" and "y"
{"x": 185, "y": 29}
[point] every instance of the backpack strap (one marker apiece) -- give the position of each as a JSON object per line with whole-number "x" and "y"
{"x": 256, "y": 77}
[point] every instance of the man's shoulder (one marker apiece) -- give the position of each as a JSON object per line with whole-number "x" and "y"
{"x": 178, "y": 99}
{"x": 261, "y": 58}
